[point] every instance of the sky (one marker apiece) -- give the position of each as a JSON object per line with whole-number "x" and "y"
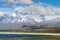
{"x": 8, "y": 6}
{"x": 30, "y": 8}
{"x": 55, "y": 3}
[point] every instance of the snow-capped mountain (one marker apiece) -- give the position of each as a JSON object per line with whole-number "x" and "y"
{"x": 24, "y": 18}
{"x": 54, "y": 20}
{"x": 18, "y": 17}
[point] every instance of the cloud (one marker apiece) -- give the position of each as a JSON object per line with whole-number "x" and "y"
{"x": 20, "y": 9}
{"x": 24, "y": 1}
{"x": 1, "y": 13}
{"x": 41, "y": 8}
{"x": 35, "y": 11}
{"x": 18, "y": 1}
{"x": 3, "y": 9}
{"x": 38, "y": 9}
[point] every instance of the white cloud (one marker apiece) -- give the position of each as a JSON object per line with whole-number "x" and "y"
{"x": 20, "y": 9}
{"x": 8, "y": 1}
{"x": 35, "y": 10}
{"x": 18, "y": 1}
{"x": 3, "y": 9}
{"x": 1, "y": 13}
{"x": 24, "y": 1}
{"x": 39, "y": 9}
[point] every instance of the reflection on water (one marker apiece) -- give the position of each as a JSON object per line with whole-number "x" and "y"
{"x": 28, "y": 37}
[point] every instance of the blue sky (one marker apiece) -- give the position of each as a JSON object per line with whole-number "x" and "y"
{"x": 10, "y": 6}
{"x": 30, "y": 8}
{"x": 52, "y": 2}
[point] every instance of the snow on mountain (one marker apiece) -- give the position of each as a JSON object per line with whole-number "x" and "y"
{"x": 53, "y": 19}
{"x": 19, "y": 18}
{"x": 34, "y": 13}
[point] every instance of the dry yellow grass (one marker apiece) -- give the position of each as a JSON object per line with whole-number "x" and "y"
{"x": 45, "y": 30}
{"x": 52, "y": 29}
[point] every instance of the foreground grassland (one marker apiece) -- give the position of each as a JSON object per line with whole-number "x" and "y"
{"x": 49, "y": 29}
{"x": 44, "y": 30}
{"x": 34, "y": 38}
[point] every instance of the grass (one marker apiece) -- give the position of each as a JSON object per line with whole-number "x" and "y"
{"x": 45, "y": 30}
{"x": 50, "y": 29}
